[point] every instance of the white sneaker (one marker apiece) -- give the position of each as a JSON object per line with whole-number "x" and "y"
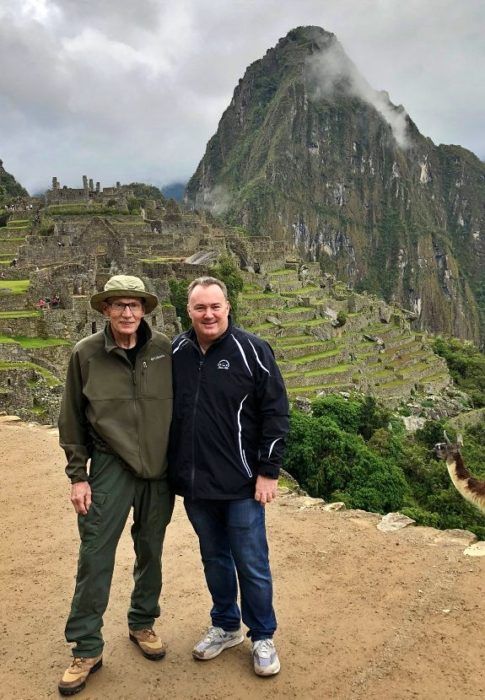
{"x": 265, "y": 658}
{"x": 215, "y": 641}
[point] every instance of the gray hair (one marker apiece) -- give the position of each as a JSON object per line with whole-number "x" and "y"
{"x": 207, "y": 282}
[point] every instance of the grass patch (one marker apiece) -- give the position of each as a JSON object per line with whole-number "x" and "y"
{"x": 38, "y": 411}
{"x": 50, "y": 379}
{"x": 314, "y": 388}
{"x": 255, "y": 296}
{"x": 20, "y": 314}
{"x": 83, "y": 210}
{"x": 317, "y": 356}
{"x": 339, "y": 369}
{"x": 29, "y": 343}
{"x": 15, "y": 286}
{"x": 280, "y": 273}
{"x": 161, "y": 260}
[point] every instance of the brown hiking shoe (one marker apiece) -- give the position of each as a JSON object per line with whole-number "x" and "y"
{"x": 150, "y": 643}
{"x": 74, "y": 678}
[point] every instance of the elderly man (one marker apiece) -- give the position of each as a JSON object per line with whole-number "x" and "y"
{"x": 228, "y": 435}
{"x": 116, "y": 413}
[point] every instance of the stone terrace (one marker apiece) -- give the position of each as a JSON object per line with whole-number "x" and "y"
{"x": 326, "y": 338}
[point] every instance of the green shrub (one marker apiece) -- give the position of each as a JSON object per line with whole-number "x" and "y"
{"x": 178, "y": 297}
{"x": 341, "y": 318}
{"x": 353, "y": 451}
{"x": 466, "y": 365}
{"x": 333, "y": 464}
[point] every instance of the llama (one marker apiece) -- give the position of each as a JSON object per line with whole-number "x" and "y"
{"x": 470, "y": 488}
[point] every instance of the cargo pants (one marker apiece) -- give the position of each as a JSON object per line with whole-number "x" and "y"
{"x": 115, "y": 490}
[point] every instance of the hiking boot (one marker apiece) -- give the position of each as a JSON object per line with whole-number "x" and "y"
{"x": 215, "y": 641}
{"x": 150, "y": 644}
{"x": 265, "y": 658}
{"x": 74, "y": 678}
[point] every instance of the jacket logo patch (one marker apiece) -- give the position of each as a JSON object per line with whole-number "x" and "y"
{"x": 223, "y": 364}
{"x": 157, "y": 357}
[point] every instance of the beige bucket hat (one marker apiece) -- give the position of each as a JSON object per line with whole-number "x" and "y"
{"x": 124, "y": 286}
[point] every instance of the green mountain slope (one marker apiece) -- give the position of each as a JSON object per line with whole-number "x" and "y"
{"x": 9, "y": 187}
{"x": 308, "y": 153}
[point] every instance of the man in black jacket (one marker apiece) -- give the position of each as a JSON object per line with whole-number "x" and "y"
{"x": 226, "y": 447}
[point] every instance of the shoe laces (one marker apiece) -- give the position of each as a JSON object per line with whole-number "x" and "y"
{"x": 79, "y": 661}
{"x": 214, "y": 633}
{"x": 149, "y": 632}
{"x": 263, "y": 648}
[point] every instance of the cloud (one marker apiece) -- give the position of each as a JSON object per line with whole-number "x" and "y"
{"x": 331, "y": 72}
{"x": 133, "y": 91}
{"x": 217, "y": 200}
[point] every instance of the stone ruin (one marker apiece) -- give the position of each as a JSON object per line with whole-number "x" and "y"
{"x": 88, "y": 193}
{"x": 75, "y": 258}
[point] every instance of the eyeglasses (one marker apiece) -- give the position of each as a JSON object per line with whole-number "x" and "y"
{"x": 134, "y": 306}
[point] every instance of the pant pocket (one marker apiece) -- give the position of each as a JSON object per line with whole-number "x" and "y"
{"x": 91, "y": 523}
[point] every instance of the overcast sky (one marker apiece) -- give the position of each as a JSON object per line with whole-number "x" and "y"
{"x": 133, "y": 89}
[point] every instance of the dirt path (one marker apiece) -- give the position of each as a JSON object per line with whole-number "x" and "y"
{"x": 362, "y": 614}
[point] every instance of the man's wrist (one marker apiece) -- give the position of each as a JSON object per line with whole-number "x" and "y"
{"x": 269, "y": 472}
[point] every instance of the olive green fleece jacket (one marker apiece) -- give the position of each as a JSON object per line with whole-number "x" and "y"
{"x": 129, "y": 409}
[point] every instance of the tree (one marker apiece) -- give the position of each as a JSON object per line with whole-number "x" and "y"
{"x": 228, "y": 272}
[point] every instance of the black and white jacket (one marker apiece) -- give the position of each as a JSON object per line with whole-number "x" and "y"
{"x": 230, "y": 416}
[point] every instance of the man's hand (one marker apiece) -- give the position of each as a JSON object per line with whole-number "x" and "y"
{"x": 266, "y": 489}
{"x": 81, "y": 497}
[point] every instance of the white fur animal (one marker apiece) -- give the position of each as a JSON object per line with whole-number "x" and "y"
{"x": 470, "y": 488}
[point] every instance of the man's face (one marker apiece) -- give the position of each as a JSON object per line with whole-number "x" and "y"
{"x": 208, "y": 310}
{"x": 124, "y": 319}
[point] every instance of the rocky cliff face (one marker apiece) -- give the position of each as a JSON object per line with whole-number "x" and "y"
{"x": 309, "y": 153}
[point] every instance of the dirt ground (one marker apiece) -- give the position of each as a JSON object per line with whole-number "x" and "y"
{"x": 362, "y": 614}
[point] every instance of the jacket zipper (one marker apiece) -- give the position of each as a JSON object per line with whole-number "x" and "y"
{"x": 194, "y": 412}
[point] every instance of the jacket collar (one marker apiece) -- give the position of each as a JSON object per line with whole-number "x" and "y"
{"x": 144, "y": 333}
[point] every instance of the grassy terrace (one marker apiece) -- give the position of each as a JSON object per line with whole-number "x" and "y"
{"x": 312, "y": 389}
{"x": 338, "y": 369}
{"x": 302, "y": 360}
{"x": 83, "y": 210}
{"x": 20, "y": 314}
{"x": 278, "y": 273}
{"x": 30, "y": 343}
{"x": 301, "y": 291}
{"x": 261, "y": 327}
{"x": 301, "y": 343}
{"x": 14, "y": 286}
{"x": 51, "y": 380}
{"x": 286, "y": 311}
{"x": 162, "y": 259}
{"x": 255, "y": 295}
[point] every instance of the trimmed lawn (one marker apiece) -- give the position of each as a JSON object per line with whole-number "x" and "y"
{"x": 20, "y": 314}
{"x": 15, "y": 286}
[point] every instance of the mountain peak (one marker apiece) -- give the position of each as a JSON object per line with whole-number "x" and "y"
{"x": 309, "y": 153}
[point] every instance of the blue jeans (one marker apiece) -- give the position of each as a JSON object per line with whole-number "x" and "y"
{"x": 232, "y": 539}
